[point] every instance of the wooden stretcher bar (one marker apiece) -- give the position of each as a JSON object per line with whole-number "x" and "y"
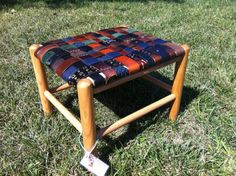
{"x": 157, "y": 82}
{"x": 68, "y": 115}
{"x": 60, "y": 88}
{"x": 135, "y": 115}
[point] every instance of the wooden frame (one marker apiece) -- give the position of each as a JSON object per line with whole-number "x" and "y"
{"x": 86, "y": 91}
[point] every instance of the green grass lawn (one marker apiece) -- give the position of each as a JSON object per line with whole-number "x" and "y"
{"x": 201, "y": 142}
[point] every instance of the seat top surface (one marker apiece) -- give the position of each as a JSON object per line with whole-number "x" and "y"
{"x": 105, "y": 55}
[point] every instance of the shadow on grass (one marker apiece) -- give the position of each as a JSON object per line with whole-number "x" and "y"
{"x": 130, "y": 97}
{"x": 66, "y": 3}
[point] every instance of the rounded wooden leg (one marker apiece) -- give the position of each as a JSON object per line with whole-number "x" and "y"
{"x": 178, "y": 84}
{"x": 41, "y": 80}
{"x": 86, "y": 106}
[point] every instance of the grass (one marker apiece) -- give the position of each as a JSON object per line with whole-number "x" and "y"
{"x": 201, "y": 142}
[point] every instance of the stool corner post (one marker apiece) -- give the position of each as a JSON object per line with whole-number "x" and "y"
{"x": 87, "y": 115}
{"x": 186, "y": 48}
{"x": 33, "y": 47}
{"x": 177, "y": 88}
{"x": 123, "y": 25}
{"x": 41, "y": 80}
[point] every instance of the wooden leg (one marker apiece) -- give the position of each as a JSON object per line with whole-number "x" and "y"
{"x": 178, "y": 84}
{"x": 86, "y": 106}
{"x": 41, "y": 80}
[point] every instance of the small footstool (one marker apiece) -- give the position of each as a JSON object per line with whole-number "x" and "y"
{"x": 97, "y": 61}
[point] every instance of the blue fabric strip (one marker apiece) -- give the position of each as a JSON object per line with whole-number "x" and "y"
{"x": 159, "y": 41}
{"x": 72, "y": 69}
{"x": 90, "y": 61}
{"x": 143, "y": 45}
{"x": 121, "y": 71}
{"x": 97, "y": 78}
{"x": 128, "y": 50}
{"x": 67, "y": 39}
{"x": 162, "y": 51}
{"x": 78, "y": 44}
{"x": 113, "y": 55}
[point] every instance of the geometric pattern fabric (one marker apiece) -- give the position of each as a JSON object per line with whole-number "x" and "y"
{"x": 105, "y": 55}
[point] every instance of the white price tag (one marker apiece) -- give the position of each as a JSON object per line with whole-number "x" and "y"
{"x": 94, "y": 165}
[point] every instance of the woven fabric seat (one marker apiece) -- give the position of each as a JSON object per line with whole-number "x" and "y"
{"x": 105, "y": 55}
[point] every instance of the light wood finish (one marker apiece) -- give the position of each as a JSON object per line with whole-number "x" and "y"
{"x": 68, "y": 115}
{"x": 60, "y": 88}
{"x": 157, "y": 82}
{"x": 133, "y": 76}
{"x": 123, "y": 25}
{"x": 136, "y": 115}
{"x": 86, "y": 106}
{"x": 177, "y": 87}
{"x": 41, "y": 80}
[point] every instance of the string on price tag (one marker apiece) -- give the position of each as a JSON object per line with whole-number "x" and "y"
{"x": 91, "y": 162}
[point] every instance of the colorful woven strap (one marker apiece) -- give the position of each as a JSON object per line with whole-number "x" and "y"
{"x": 105, "y": 55}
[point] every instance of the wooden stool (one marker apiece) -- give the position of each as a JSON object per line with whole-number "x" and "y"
{"x": 97, "y": 61}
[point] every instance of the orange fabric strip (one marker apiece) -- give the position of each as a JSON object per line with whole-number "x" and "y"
{"x": 131, "y": 64}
